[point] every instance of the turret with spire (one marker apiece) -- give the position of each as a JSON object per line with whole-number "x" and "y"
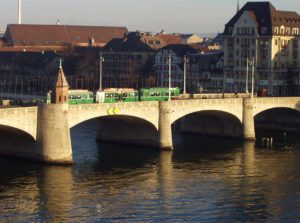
{"x": 61, "y": 87}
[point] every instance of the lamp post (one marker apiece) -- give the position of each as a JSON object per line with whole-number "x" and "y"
{"x": 247, "y": 76}
{"x": 185, "y": 61}
{"x": 170, "y": 66}
{"x": 252, "y": 86}
{"x": 100, "y": 81}
{"x": 251, "y": 62}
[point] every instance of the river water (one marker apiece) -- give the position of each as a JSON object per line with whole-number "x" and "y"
{"x": 202, "y": 180}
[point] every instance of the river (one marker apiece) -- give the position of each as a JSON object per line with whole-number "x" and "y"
{"x": 202, "y": 180}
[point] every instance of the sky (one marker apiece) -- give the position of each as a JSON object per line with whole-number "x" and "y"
{"x": 172, "y": 16}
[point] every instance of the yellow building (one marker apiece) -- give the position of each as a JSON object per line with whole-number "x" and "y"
{"x": 266, "y": 40}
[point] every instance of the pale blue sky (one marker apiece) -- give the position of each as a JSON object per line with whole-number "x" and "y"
{"x": 182, "y": 16}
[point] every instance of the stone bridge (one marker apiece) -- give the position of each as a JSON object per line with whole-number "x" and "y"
{"x": 49, "y": 124}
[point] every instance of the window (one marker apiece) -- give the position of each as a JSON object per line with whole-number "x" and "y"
{"x": 295, "y": 43}
{"x": 295, "y": 31}
{"x": 276, "y": 30}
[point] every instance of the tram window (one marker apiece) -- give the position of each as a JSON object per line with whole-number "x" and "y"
{"x": 78, "y": 96}
{"x": 125, "y": 95}
{"x": 172, "y": 93}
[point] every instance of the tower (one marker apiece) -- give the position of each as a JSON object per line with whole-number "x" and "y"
{"x": 19, "y": 14}
{"x": 61, "y": 87}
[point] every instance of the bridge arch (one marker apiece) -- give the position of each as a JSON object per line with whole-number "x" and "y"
{"x": 16, "y": 132}
{"x": 278, "y": 118}
{"x": 124, "y": 129}
{"x": 211, "y": 122}
{"x": 264, "y": 104}
{"x": 81, "y": 113}
{"x": 183, "y": 108}
{"x": 23, "y": 119}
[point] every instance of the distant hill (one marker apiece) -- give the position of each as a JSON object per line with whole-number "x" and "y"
{"x": 207, "y": 35}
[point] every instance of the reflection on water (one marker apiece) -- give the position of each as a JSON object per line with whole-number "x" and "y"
{"x": 202, "y": 180}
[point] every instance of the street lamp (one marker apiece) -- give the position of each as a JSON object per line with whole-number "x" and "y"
{"x": 185, "y": 61}
{"x": 170, "y": 66}
{"x": 100, "y": 81}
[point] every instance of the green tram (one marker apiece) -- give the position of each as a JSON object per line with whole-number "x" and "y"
{"x": 80, "y": 97}
{"x": 158, "y": 94}
{"x": 113, "y": 95}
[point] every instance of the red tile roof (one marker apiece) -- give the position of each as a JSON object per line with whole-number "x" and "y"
{"x": 171, "y": 38}
{"x": 61, "y": 35}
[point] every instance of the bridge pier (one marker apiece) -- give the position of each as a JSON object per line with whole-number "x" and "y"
{"x": 53, "y": 134}
{"x": 164, "y": 127}
{"x": 248, "y": 119}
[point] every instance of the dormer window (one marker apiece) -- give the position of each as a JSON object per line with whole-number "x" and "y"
{"x": 230, "y": 29}
{"x": 264, "y": 30}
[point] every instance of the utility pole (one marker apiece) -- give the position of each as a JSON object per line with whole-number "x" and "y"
{"x": 170, "y": 66}
{"x": 252, "y": 87}
{"x": 185, "y": 61}
{"x": 100, "y": 81}
{"x": 16, "y": 86}
{"x": 247, "y": 76}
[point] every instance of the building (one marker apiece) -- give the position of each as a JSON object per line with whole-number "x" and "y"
{"x": 129, "y": 59}
{"x": 207, "y": 69}
{"x": 25, "y": 37}
{"x": 191, "y": 38}
{"x": 27, "y": 72}
{"x": 265, "y": 38}
{"x": 161, "y": 64}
